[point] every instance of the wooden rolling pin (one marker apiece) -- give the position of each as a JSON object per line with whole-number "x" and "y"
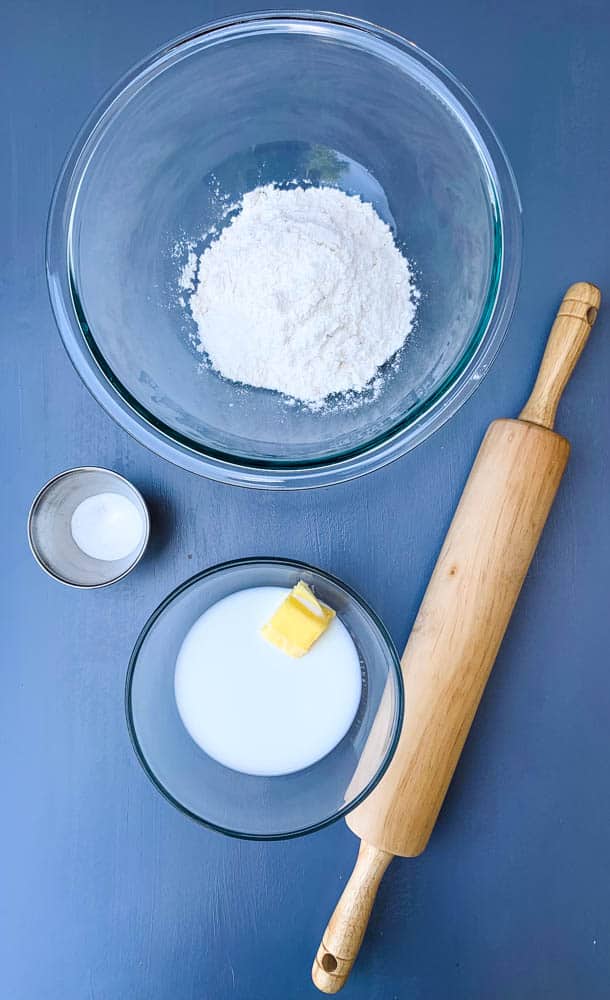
{"x": 459, "y": 628}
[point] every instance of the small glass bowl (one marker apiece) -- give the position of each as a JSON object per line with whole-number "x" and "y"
{"x": 245, "y": 805}
{"x": 279, "y": 97}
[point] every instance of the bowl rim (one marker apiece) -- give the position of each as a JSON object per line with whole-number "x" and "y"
{"x": 39, "y": 500}
{"x": 406, "y": 433}
{"x": 369, "y": 613}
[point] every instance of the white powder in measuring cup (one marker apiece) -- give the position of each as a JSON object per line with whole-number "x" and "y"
{"x": 305, "y": 292}
{"x": 107, "y": 526}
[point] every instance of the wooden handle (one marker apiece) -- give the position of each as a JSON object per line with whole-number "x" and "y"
{"x": 569, "y": 334}
{"x": 343, "y": 936}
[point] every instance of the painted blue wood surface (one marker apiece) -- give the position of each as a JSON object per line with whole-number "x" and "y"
{"x": 107, "y": 892}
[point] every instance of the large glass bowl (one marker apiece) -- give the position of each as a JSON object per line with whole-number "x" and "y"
{"x": 247, "y": 805}
{"x": 279, "y": 97}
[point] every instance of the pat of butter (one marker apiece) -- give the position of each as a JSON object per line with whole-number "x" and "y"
{"x": 300, "y": 619}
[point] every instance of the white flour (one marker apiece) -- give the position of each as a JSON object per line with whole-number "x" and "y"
{"x": 305, "y": 292}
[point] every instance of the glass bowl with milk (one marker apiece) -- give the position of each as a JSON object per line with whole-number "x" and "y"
{"x": 244, "y": 738}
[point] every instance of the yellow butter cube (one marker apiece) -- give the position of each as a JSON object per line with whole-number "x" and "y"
{"x": 300, "y": 619}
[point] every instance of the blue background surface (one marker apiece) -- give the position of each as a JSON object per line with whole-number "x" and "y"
{"x": 107, "y": 892}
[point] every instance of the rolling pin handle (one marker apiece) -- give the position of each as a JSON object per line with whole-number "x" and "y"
{"x": 569, "y": 334}
{"x": 343, "y": 936}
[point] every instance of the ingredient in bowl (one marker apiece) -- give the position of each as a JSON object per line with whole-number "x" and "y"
{"x": 107, "y": 526}
{"x": 304, "y": 292}
{"x": 245, "y": 706}
{"x": 300, "y": 619}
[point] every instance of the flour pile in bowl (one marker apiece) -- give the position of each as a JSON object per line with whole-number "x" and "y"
{"x": 304, "y": 292}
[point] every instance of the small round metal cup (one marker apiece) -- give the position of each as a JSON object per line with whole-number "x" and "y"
{"x": 50, "y": 536}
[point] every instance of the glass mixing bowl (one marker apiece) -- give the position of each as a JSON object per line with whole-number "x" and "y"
{"x": 279, "y": 97}
{"x": 246, "y": 805}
